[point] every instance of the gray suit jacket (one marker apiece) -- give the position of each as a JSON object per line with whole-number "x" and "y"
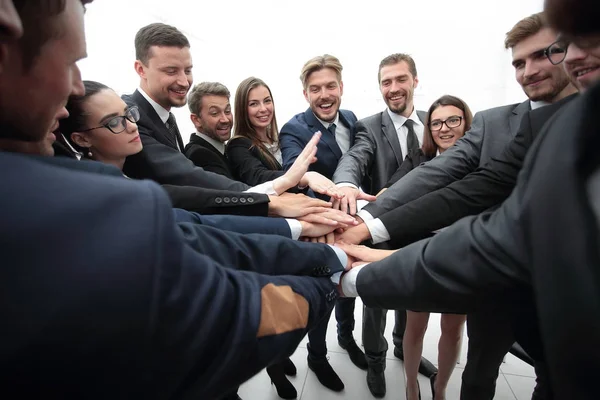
{"x": 375, "y": 155}
{"x": 490, "y": 132}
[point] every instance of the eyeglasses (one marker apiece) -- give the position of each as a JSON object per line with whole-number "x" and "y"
{"x": 451, "y": 122}
{"x": 119, "y": 124}
{"x": 557, "y": 51}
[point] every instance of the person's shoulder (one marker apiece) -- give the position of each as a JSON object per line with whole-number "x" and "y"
{"x": 501, "y": 110}
{"x": 295, "y": 124}
{"x": 240, "y": 141}
{"x": 371, "y": 119}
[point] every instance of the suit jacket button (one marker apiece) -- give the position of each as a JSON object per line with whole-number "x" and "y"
{"x": 218, "y": 200}
{"x": 234, "y": 199}
{"x": 226, "y": 200}
{"x": 327, "y": 270}
{"x": 243, "y": 200}
{"x": 250, "y": 200}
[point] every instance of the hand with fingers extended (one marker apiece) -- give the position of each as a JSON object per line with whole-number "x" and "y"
{"x": 320, "y": 184}
{"x": 335, "y": 218}
{"x": 295, "y": 205}
{"x": 354, "y": 234}
{"x": 328, "y": 238}
{"x": 363, "y": 254}
{"x": 351, "y": 195}
{"x": 297, "y": 171}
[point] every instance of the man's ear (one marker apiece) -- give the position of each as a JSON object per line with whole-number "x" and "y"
{"x": 140, "y": 69}
{"x": 196, "y": 121}
{"x": 416, "y": 82}
{"x": 81, "y": 140}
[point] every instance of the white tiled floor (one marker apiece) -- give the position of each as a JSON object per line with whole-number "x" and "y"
{"x": 515, "y": 382}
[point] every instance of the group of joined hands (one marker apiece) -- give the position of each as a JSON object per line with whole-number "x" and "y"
{"x": 323, "y": 221}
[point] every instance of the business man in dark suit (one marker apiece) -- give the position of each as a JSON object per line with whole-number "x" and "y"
{"x": 211, "y": 115}
{"x": 322, "y": 84}
{"x": 525, "y": 250}
{"x": 133, "y": 320}
{"x": 381, "y": 143}
{"x": 491, "y": 131}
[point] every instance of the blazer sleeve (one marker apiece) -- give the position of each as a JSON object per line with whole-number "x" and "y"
{"x": 166, "y": 165}
{"x": 412, "y": 160}
{"x": 292, "y": 143}
{"x": 211, "y": 201}
{"x": 356, "y": 163}
{"x": 452, "y": 165}
{"x": 245, "y": 166}
{"x": 207, "y": 160}
{"x": 237, "y": 223}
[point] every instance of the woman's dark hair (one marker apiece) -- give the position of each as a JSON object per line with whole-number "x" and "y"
{"x": 76, "y": 121}
{"x": 244, "y": 128}
{"x": 429, "y": 147}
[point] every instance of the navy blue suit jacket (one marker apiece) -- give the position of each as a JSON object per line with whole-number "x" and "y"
{"x": 296, "y": 133}
{"x": 104, "y": 296}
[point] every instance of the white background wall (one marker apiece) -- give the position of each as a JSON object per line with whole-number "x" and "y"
{"x": 457, "y": 45}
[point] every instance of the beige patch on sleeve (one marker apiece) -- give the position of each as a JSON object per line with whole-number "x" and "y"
{"x": 281, "y": 311}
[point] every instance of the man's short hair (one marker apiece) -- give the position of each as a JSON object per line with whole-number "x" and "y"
{"x": 318, "y": 63}
{"x": 157, "y": 34}
{"x": 573, "y": 17}
{"x": 397, "y": 58}
{"x": 38, "y": 18}
{"x": 525, "y": 28}
{"x": 205, "y": 89}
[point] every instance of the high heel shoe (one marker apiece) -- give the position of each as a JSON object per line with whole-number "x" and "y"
{"x": 284, "y": 387}
{"x": 288, "y": 367}
{"x": 432, "y": 383}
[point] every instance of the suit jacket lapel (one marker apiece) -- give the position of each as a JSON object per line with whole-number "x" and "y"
{"x": 161, "y": 133}
{"x": 389, "y": 131}
{"x": 516, "y": 116}
{"x": 327, "y": 137}
{"x": 348, "y": 125}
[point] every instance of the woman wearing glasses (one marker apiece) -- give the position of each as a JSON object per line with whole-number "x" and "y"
{"x": 448, "y": 119}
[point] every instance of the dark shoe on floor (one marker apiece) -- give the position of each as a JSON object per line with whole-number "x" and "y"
{"x": 425, "y": 366}
{"x": 289, "y": 368}
{"x": 284, "y": 387}
{"x": 432, "y": 383}
{"x": 356, "y": 354}
{"x": 326, "y": 375}
{"x": 376, "y": 380}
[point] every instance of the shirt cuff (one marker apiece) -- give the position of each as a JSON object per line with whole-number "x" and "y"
{"x": 349, "y": 281}
{"x": 295, "y": 228}
{"x": 378, "y": 231}
{"x": 265, "y": 188}
{"x": 346, "y": 184}
{"x": 341, "y": 255}
{"x": 365, "y": 215}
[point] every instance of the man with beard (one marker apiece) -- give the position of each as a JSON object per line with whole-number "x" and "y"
{"x": 381, "y": 143}
{"x": 213, "y": 119}
{"x": 322, "y": 84}
{"x": 441, "y": 191}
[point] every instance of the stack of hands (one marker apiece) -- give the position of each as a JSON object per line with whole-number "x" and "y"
{"x": 322, "y": 221}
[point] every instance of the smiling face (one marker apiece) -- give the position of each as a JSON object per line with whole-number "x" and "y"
{"x": 445, "y": 137}
{"x": 105, "y": 145}
{"x": 540, "y": 80}
{"x": 260, "y": 109}
{"x": 215, "y": 119}
{"x": 168, "y": 76}
{"x": 583, "y": 65}
{"x": 324, "y": 94}
{"x": 397, "y": 86}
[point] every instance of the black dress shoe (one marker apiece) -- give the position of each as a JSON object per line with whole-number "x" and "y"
{"x": 284, "y": 387}
{"x": 376, "y": 380}
{"x": 289, "y": 368}
{"x": 356, "y": 354}
{"x": 425, "y": 366}
{"x": 326, "y": 375}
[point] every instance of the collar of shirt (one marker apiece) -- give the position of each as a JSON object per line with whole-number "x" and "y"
{"x": 537, "y": 104}
{"x": 215, "y": 143}
{"x": 336, "y": 121}
{"x": 399, "y": 120}
{"x": 163, "y": 113}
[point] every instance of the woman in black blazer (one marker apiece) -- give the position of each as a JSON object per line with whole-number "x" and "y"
{"x": 253, "y": 153}
{"x": 448, "y": 119}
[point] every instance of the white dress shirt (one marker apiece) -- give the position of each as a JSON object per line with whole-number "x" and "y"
{"x": 342, "y": 133}
{"x": 217, "y": 144}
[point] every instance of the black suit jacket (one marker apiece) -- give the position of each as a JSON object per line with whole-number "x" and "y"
{"x": 103, "y": 296}
{"x": 161, "y": 161}
{"x": 206, "y": 156}
{"x": 248, "y": 165}
{"x": 375, "y": 155}
{"x": 541, "y": 243}
{"x": 412, "y": 160}
{"x": 482, "y": 189}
